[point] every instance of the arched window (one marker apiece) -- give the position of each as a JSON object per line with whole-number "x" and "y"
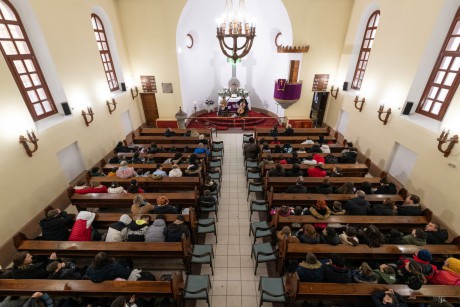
{"x": 444, "y": 79}
{"x": 366, "y": 46}
{"x": 23, "y": 63}
{"x": 104, "y": 50}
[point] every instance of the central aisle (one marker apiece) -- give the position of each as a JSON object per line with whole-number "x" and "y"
{"x": 233, "y": 283}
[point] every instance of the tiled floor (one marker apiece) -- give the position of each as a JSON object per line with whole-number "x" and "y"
{"x": 234, "y": 283}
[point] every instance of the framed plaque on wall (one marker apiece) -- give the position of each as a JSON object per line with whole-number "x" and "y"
{"x": 320, "y": 83}
{"x": 149, "y": 84}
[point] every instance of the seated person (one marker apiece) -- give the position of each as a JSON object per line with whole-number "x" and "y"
{"x": 188, "y": 133}
{"x": 364, "y": 274}
{"x": 287, "y": 148}
{"x": 94, "y": 187}
{"x": 96, "y": 172}
{"x": 138, "y": 228}
{"x": 173, "y": 232}
{"x": 307, "y": 234}
{"x": 175, "y": 171}
{"x": 223, "y": 108}
{"x": 289, "y": 131}
{"x": 278, "y": 171}
{"x": 121, "y": 148}
{"x": 347, "y": 188}
{"x": 325, "y": 187}
{"x": 417, "y": 237}
{"x": 159, "y": 171}
{"x": 55, "y": 226}
{"x": 411, "y": 206}
{"x": 153, "y": 148}
{"x": 210, "y": 184}
{"x": 113, "y": 172}
{"x": 137, "y": 159}
{"x": 298, "y": 187}
{"x": 285, "y": 233}
{"x": 25, "y": 266}
{"x": 274, "y": 131}
{"x": 336, "y": 172}
{"x": 63, "y": 270}
{"x": 277, "y": 149}
{"x": 118, "y": 231}
{"x": 349, "y": 236}
{"x": 104, "y": 268}
{"x": 449, "y": 275}
{"x": 163, "y": 206}
{"x": 155, "y": 232}
{"x": 386, "y": 187}
{"x": 201, "y": 149}
{"x": 310, "y": 270}
{"x": 134, "y": 187}
{"x": 275, "y": 141}
{"x": 115, "y": 188}
{"x": 295, "y": 171}
{"x": 330, "y": 236}
{"x": 82, "y": 229}
{"x": 294, "y": 158}
{"x": 388, "y": 298}
{"x": 177, "y": 159}
{"x": 150, "y": 159}
{"x": 169, "y": 132}
{"x": 387, "y": 208}
{"x": 201, "y": 139}
{"x": 207, "y": 200}
{"x": 434, "y": 234}
{"x": 124, "y": 171}
{"x": 385, "y": 274}
{"x": 336, "y": 271}
{"x": 193, "y": 170}
{"x": 358, "y": 205}
{"x": 317, "y": 171}
{"x": 140, "y": 205}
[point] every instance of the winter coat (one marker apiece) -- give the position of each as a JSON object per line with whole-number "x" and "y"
{"x": 316, "y": 172}
{"x": 406, "y": 210}
{"x": 126, "y": 172}
{"x": 56, "y": 228}
{"x": 324, "y": 189}
{"x": 175, "y": 172}
{"x": 309, "y": 240}
{"x": 427, "y": 268}
{"x": 343, "y": 238}
{"x": 155, "y": 232}
{"x": 382, "y": 210}
{"x": 319, "y": 158}
{"x": 332, "y": 240}
{"x": 108, "y": 271}
{"x": 118, "y": 231}
{"x": 275, "y": 173}
{"x": 377, "y": 299}
{"x": 137, "y": 230}
{"x": 173, "y": 233}
{"x": 410, "y": 239}
{"x": 336, "y": 274}
{"x": 67, "y": 272}
{"x": 27, "y": 302}
{"x": 321, "y": 214}
{"x": 99, "y": 189}
{"x": 360, "y": 278}
{"x": 165, "y": 209}
{"x": 310, "y": 272}
{"x": 251, "y": 150}
{"x": 33, "y": 271}
{"x": 357, "y": 206}
{"x": 135, "y": 209}
{"x": 297, "y": 188}
{"x": 384, "y": 278}
{"x": 82, "y": 229}
{"x": 436, "y": 237}
{"x": 115, "y": 190}
{"x": 443, "y": 277}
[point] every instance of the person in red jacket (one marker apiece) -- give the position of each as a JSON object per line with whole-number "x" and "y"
{"x": 94, "y": 187}
{"x": 317, "y": 171}
{"x": 82, "y": 229}
{"x": 319, "y": 158}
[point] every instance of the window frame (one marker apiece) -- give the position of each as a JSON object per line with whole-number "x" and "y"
{"x": 357, "y": 81}
{"x": 105, "y": 53}
{"x": 9, "y": 59}
{"x": 437, "y": 68}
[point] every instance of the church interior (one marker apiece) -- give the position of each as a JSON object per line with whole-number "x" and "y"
{"x": 391, "y": 59}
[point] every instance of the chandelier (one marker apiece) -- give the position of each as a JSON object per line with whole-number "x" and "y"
{"x": 233, "y": 27}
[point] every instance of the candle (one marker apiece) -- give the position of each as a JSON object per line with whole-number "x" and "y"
{"x": 194, "y": 102}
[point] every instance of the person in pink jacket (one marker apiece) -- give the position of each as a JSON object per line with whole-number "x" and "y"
{"x": 82, "y": 229}
{"x": 125, "y": 172}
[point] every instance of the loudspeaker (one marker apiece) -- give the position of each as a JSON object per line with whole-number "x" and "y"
{"x": 345, "y": 86}
{"x": 66, "y": 108}
{"x": 123, "y": 87}
{"x": 408, "y": 108}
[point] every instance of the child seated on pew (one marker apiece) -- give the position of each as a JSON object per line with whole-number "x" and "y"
{"x": 64, "y": 270}
{"x": 124, "y": 171}
{"x": 138, "y": 228}
{"x": 115, "y": 188}
{"x": 118, "y": 231}
{"x": 82, "y": 229}
{"x": 134, "y": 187}
{"x": 364, "y": 274}
{"x": 140, "y": 206}
{"x": 155, "y": 232}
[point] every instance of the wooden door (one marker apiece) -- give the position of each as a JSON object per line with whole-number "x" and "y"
{"x": 149, "y": 103}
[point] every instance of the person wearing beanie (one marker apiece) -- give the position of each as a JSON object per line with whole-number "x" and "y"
{"x": 118, "y": 231}
{"x": 307, "y": 234}
{"x": 388, "y": 298}
{"x": 385, "y": 274}
{"x": 317, "y": 170}
{"x": 329, "y": 236}
{"x": 310, "y": 270}
{"x": 138, "y": 228}
{"x": 364, "y": 274}
{"x": 163, "y": 206}
{"x": 82, "y": 229}
{"x": 336, "y": 271}
{"x": 417, "y": 237}
{"x": 155, "y": 232}
{"x": 173, "y": 232}
{"x": 449, "y": 275}
{"x": 140, "y": 205}
{"x": 55, "y": 226}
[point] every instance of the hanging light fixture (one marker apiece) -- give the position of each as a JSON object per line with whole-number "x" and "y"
{"x": 233, "y": 27}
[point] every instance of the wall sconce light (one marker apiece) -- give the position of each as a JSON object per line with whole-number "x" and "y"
{"x": 134, "y": 90}
{"x": 90, "y": 113}
{"x": 336, "y": 91}
{"x": 113, "y": 103}
{"x": 362, "y": 101}
{"x": 387, "y": 112}
{"x": 443, "y": 139}
{"x": 31, "y": 138}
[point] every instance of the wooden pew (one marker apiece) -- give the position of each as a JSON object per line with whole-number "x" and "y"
{"x": 334, "y": 147}
{"x": 348, "y": 170}
{"x": 388, "y": 251}
{"x": 280, "y": 184}
{"x": 161, "y": 156}
{"x": 277, "y": 199}
{"x": 178, "y": 131}
{"x": 300, "y": 155}
{"x": 164, "y": 250}
{"x": 125, "y": 200}
{"x": 148, "y": 139}
{"x": 296, "y": 139}
{"x": 104, "y": 220}
{"x": 147, "y": 167}
{"x": 382, "y": 222}
{"x": 362, "y": 291}
{"x": 87, "y": 288}
{"x": 297, "y": 131}
{"x": 151, "y": 185}
{"x": 179, "y": 147}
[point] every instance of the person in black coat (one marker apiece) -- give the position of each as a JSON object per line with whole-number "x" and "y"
{"x": 294, "y": 159}
{"x": 298, "y": 187}
{"x": 387, "y": 208}
{"x": 325, "y": 187}
{"x": 335, "y": 270}
{"x": 411, "y": 206}
{"x": 169, "y": 133}
{"x": 278, "y": 171}
{"x": 106, "y": 268}
{"x": 388, "y": 298}
{"x": 173, "y": 232}
{"x": 386, "y": 187}
{"x": 310, "y": 270}
{"x": 358, "y": 205}
{"x": 435, "y": 235}
{"x": 330, "y": 236}
{"x": 289, "y": 131}
{"x": 121, "y": 148}
{"x": 316, "y": 148}
{"x": 63, "y": 270}
{"x": 26, "y": 267}
{"x": 296, "y": 171}
{"x": 55, "y": 226}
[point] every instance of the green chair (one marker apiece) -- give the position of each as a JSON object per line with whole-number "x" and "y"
{"x": 255, "y": 187}
{"x": 218, "y": 145}
{"x": 207, "y": 226}
{"x": 215, "y": 163}
{"x": 272, "y": 290}
{"x": 263, "y": 252}
{"x": 215, "y": 174}
{"x": 252, "y": 175}
{"x": 246, "y": 138}
{"x": 213, "y": 208}
{"x": 197, "y": 288}
{"x": 258, "y": 206}
{"x": 217, "y": 153}
{"x": 261, "y": 230}
{"x": 251, "y": 163}
{"x": 202, "y": 254}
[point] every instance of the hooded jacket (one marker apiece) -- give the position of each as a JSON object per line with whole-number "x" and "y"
{"x": 360, "y": 278}
{"x": 410, "y": 239}
{"x": 164, "y": 209}
{"x": 137, "y": 230}
{"x": 108, "y": 271}
{"x": 357, "y": 206}
{"x": 155, "y": 232}
{"x": 118, "y": 231}
{"x": 410, "y": 210}
{"x": 56, "y": 228}
{"x": 33, "y": 271}
{"x": 82, "y": 229}
{"x": 321, "y": 214}
{"x": 384, "y": 278}
{"x": 310, "y": 272}
{"x": 332, "y": 240}
{"x": 173, "y": 232}
{"x": 377, "y": 299}
{"x": 336, "y": 274}
{"x": 67, "y": 272}
{"x": 175, "y": 172}
{"x": 436, "y": 237}
{"x": 382, "y": 210}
